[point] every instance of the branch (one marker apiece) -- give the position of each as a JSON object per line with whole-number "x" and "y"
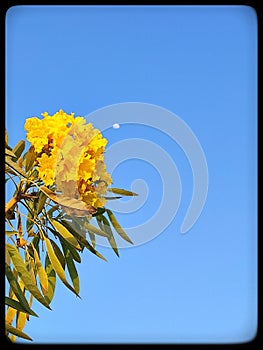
{"x": 11, "y": 203}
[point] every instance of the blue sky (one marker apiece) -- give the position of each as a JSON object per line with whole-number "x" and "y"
{"x": 200, "y": 63}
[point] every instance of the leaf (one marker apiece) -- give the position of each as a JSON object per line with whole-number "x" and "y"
{"x": 15, "y": 166}
{"x": 21, "y": 320}
{"x": 99, "y": 211}
{"x": 18, "y": 291}
{"x": 18, "y": 306}
{"x": 24, "y": 274}
{"x": 10, "y": 315}
{"x": 11, "y": 312}
{"x": 7, "y": 259}
{"x": 11, "y": 233}
{"x": 105, "y": 225}
{"x": 51, "y": 210}
{"x": 78, "y": 206}
{"x": 51, "y": 275}
{"x": 11, "y": 292}
{"x": 83, "y": 241}
{"x": 92, "y": 238}
{"x": 41, "y": 202}
{"x": 36, "y": 241}
{"x": 122, "y": 192}
{"x": 19, "y": 148}
{"x": 65, "y": 233}
{"x": 58, "y": 253}
{"x": 95, "y": 230}
{"x": 17, "y": 332}
{"x": 30, "y": 264}
{"x": 10, "y": 153}
{"x": 77, "y": 224}
{"x": 57, "y": 266}
{"x": 8, "y": 170}
{"x": 40, "y": 271}
{"x": 31, "y": 210}
{"x": 117, "y": 226}
{"x": 73, "y": 251}
{"x": 71, "y": 267}
{"x": 29, "y": 221}
{"x": 6, "y": 138}
{"x": 29, "y": 158}
{"x": 19, "y": 224}
{"x": 111, "y": 198}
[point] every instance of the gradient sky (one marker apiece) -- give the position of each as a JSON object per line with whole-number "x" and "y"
{"x": 201, "y": 64}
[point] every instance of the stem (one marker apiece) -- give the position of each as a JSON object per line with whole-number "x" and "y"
{"x": 11, "y": 203}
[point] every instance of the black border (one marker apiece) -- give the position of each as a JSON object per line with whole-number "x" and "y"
{"x": 5, "y": 5}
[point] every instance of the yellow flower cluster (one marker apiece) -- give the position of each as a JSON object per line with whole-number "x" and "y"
{"x": 70, "y": 154}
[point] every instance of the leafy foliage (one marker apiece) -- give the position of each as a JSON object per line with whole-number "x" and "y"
{"x": 46, "y": 243}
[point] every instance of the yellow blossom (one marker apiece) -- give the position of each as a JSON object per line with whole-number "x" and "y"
{"x": 70, "y": 154}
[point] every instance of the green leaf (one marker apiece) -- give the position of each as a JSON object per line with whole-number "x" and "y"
{"x": 105, "y": 225}
{"x": 18, "y": 306}
{"x": 83, "y": 241}
{"x": 7, "y": 259}
{"x": 77, "y": 224}
{"x": 41, "y": 202}
{"x": 15, "y": 166}
{"x": 122, "y": 192}
{"x": 92, "y": 238}
{"x": 19, "y": 148}
{"x": 30, "y": 158}
{"x": 17, "y": 332}
{"x": 117, "y": 226}
{"x": 36, "y": 241}
{"x": 17, "y": 290}
{"x": 51, "y": 275}
{"x": 57, "y": 266}
{"x": 71, "y": 267}
{"x": 29, "y": 221}
{"x": 41, "y": 272}
{"x": 99, "y": 211}
{"x": 24, "y": 274}
{"x": 95, "y": 230}
{"x": 73, "y": 251}
{"x": 111, "y": 198}
{"x": 58, "y": 253}
{"x": 62, "y": 230}
{"x": 76, "y": 206}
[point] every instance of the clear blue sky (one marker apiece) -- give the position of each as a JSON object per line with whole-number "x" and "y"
{"x": 201, "y": 64}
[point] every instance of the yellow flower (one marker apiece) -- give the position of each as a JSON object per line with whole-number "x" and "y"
{"x": 70, "y": 154}
{"x": 45, "y": 168}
